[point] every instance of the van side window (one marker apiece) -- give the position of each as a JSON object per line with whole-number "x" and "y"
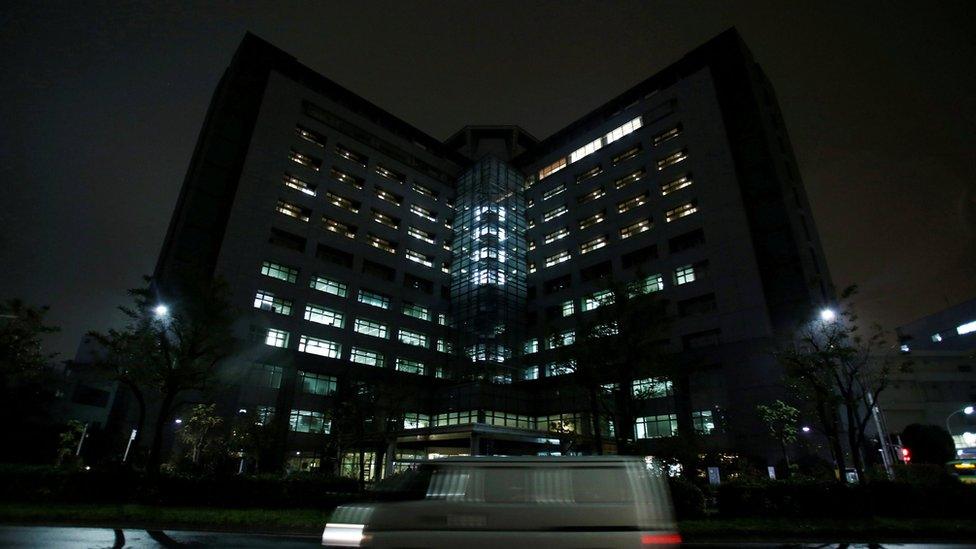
{"x": 600, "y": 485}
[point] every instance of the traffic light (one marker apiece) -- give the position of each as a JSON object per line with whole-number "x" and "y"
{"x": 906, "y": 455}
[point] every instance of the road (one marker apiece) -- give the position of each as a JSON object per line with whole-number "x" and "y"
{"x": 56, "y": 537}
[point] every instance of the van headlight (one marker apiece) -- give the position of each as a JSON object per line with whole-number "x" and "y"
{"x": 338, "y": 534}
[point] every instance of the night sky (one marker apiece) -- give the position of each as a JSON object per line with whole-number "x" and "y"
{"x": 101, "y": 103}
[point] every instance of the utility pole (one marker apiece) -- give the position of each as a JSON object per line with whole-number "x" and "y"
{"x": 886, "y": 456}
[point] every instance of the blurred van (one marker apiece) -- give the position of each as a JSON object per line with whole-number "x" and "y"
{"x": 511, "y": 502}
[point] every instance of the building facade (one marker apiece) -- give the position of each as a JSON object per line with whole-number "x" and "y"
{"x": 406, "y": 297}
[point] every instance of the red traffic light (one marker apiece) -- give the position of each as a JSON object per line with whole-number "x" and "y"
{"x": 906, "y": 455}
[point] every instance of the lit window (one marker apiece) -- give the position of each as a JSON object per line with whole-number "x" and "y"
{"x": 277, "y": 338}
{"x": 560, "y": 368}
{"x": 322, "y": 315}
{"x": 442, "y": 319}
{"x": 675, "y": 185}
{"x": 588, "y": 222}
{"x": 371, "y": 328}
{"x": 592, "y": 172}
{"x": 299, "y": 185}
{"x": 338, "y": 227}
{"x": 629, "y": 178}
{"x": 346, "y": 178}
{"x": 672, "y": 159}
{"x": 351, "y": 156}
{"x": 367, "y": 357}
{"x": 342, "y": 202}
{"x": 316, "y": 384}
{"x": 552, "y": 168}
{"x": 328, "y": 286}
{"x": 530, "y": 346}
{"x": 278, "y": 271}
{"x": 532, "y": 267}
{"x": 667, "y": 135}
{"x": 444, "y": 346}
{"x": 623, "y": 130}
{"x": 556, "y": 235}
{"x": 566, "y": 337}
{"x": 267, "y": 301}
{"x": 594, "y": 244}
{"x": 652, "y": 387}
{"x": 557, "y": 258}
{"x": 632, "y": 203}
{"x": 306, "y": 421}
{"x": 388, "y": 196}
{"x": 586, "y": 150}
{"x": 293, "y": 210}
{"x": 416, "y": 311}
{"x": 529, "y": 203}
{"x": 653, "y": 283}
{"x": 530, "y": 244}
{"x": 681, "y": 211}
{"x": 310, "y": 136}
{"x": 568, "y": 308}
{"x": 627, "y": 155}
{"x": 384, "y": 219}
{"x": 269, "y": 376}
{"x": 684, "y": 275}
{"x": 703, "y": 422}
{"x": 656, "y": 426}
{"x": 605, "y": 329}
{"x": 558, "y": 189}
{"x": 591, "y": 196}
{"x": 636, "y": 228}
{"x": 381, "y": 243}
{"x": 936, "y": 338}
{"x": 424, "y": 190}
{"x": 304, "y": 160}
{"x": 597, "y": 299}
{"x": 417, "y": 257}
{"x": 966, "y": 328}
{"x": 423, "y": 212}
{"x": 412, "y": 338}
{"x": 409, "y": 366}
{"x": 321, "y": 347}
{"x": 530, "y": 373}
{"x": 421, "y": 234}
{"x": 390, "y": 174}
{"x": 415, "y": 421}
{"x": 554, "y": 213}
{"x": 373, "y": 299}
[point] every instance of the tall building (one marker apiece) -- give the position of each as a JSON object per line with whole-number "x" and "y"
{"x": 429, "y": 285}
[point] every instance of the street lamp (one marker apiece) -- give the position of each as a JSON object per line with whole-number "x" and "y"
{"x": 178, "y": 421}
{"x": 827, "y": 314}
{"x": 161, "y": 311}
{"x": 968, "y": 410}
{"x": 805, "y": 429}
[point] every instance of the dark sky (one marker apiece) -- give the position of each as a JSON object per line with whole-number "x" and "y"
{"x": 101, "y": 103}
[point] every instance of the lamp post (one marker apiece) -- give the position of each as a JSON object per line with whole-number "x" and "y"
{"x": 968, "y": 410}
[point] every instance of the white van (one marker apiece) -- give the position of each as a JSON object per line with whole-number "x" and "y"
{"x": 510, "y": 502}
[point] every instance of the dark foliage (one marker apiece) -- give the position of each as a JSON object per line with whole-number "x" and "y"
{"x": 928, "y": 444}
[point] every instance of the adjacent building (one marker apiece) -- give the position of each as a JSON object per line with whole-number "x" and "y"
{"x": 406, "y": 297}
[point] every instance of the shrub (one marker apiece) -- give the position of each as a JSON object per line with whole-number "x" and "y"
{"x": 689, "y": 501}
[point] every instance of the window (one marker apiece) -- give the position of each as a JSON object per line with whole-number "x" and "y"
{"x": 636, "y": 228}
{"x": 653, "y": 283}
{"x": 321, "y": 315}
{"x": 374, "y": 299}
{"x": 444, "y": 346}
{"x": 558, "y": 423}
{"x": 627, "y": 155}
{"x": 592, "y": 172}
{"x": 381, "y": 243}
{"x": 277, "y": 338}
{"x": 281, "y": 272}
{"x": 328, "y": 286}
{"x": 686, "y": 241}
{"x": 530, "y": 372}
{"x": 639, "y": 256}
{"x": 306, "y": 421}
{"x": 416, "y": 311}
{"x": 388, "y": 196}
{"x": 504, "y": 419}
{"x": 594, "y": 244}
{"x": 342, "y": 202}
{"x": 304, "y": 160}
{"x": 566, "y": 337}
{"x": 390, "y": 174}
{"x": 556, "y": 284}
{"x": 629, "y": 178}
{"x": 568, "y": 308}
{"x": 421, "y": 234}
{"x": 596, "y": 300}
{"x": 351, "y": 156}
{"x": 442, "y": 319}
{"x": 558, "y": 189}
{"x": 560, "y": 368}
{"x": 656, "y": 426}
{"x": 293, "y": 210}
{"x": 697, "y": 305}
{"x": 530, "y": 346}
{"x": 681, "y": 211}
{"x": 966, "y": 328}
{"x": 346, "y": 178}
{"x": 417, "y": 283}
{"x": 672, "y": 159}
{"x": 295, "y": 183}
{"x": 623, "y": 130}
{"x": 316, "y": 384}
{"x": 586, "y": 150}
{"x": 652, "y": 387}
{"x": 676, "y": 185}
{"x": 367, "y": 357}
{"x": 703, "y": 422}
{"x": 684, "y": 275}
{"x": 321, "y": 347}
{"x": 591, "y": 196}
{"x": 588, "y": 222}
{"x": 333, "y": 255}
{"x": 417, "y": 257}
{"x": 596, "y": 271}
{"x": 667, "y": 135}
{"x": 384, "y": 219}
{"x": 456, "y": 418}
{"x": 378, "y": 270}
{"x": 338, "y": 227}
{"x": 310, "y": 136}
{"x": 556, "y": 235}
{"x": 266, "y": 301}
{"x": 423, "y": 212}
{"x": 554, "y": 213}
{"x": 409, "y": 366}
{"x": 266, "y": 375}
{"x": 413, "y": 420}
{"x": 699, "y": 340}
{"x": 632, "y": 203}
{"x": 557, "y": 258}
{"x": 552, "y": 168}
{"x": 412, "y": 338}
{"x": 371, "y": 328}
{"x": 424, "y": 190}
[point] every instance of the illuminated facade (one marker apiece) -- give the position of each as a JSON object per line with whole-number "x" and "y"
{"x": 437, "y": 282}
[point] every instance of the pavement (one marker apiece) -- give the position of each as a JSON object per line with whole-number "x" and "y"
{"x": 69, "y": 537}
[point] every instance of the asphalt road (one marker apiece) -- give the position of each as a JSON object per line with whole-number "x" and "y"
{"x": 56, "y": 537}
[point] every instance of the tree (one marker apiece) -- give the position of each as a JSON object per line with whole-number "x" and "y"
{"x": 928, "y": 444}
{"x": 200, "y": 431}
{"x": 837, "y": 366}
{"x": 780, "y": 419}
{"x": 165, "y": 352}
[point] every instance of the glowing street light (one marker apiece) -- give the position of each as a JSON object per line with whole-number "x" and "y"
{"x": 828, "y": 315}
{"x": 805, "y": 429}
{"x": 178, "y": 421}
{"x": 161, "y": 311}
{"x": 968, "y": 410}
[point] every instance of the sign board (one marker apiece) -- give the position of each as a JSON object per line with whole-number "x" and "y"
{"x": 713, "y": 476}
{"x": 772, "y": 472}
